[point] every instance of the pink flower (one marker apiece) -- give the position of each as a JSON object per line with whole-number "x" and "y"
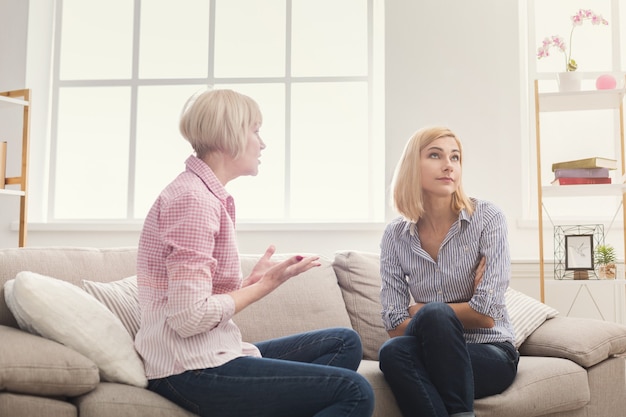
{"x": 558, "y": 42}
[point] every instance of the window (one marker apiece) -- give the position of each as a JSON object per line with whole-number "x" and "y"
{"x": 596, "y": 50}
{"x": 123, "y": 71}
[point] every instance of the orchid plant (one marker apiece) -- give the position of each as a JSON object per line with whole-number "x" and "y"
{"x": 559, "y": 43}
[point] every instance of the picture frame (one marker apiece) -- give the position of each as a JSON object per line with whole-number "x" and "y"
{"x": 579, "y": 252}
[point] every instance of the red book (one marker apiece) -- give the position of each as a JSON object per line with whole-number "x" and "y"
{"x": 579, "y": 180}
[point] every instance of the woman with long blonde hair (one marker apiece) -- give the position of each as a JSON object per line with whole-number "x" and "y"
{"x": 449, "y": 254}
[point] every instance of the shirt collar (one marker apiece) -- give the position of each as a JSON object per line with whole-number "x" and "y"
{"x": 206, "y": 174}
{"x": 411, "y": 227}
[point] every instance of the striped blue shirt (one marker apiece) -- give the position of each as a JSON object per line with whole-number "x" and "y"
{"x": 408, "y": 270}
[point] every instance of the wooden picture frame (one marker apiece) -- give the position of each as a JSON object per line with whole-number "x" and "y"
{"x": 579, "y": 252}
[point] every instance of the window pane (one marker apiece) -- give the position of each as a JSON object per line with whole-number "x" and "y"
{"x": 321, "y": 162}
{"x": 331, "y": 146}
{"x": 553, "y": 17}
{"x": 263, "y": 196}
{"x": 92, "y": 153}
{"x": 161, "y": 149}
{"x": 174, "y": 39}
{"x": 96, "y": 39}
{"x": 329, "y": 38}
{"x": 250, "y": 38}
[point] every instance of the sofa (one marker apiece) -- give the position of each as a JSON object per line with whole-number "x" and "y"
{"x": 569, "y": 367}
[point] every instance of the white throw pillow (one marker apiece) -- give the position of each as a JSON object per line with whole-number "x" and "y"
{"x": 121, "y": 298}
{"x": 63, "y": 312}
{"x": 526, "y": 314}
{"x": 22, "y": 322}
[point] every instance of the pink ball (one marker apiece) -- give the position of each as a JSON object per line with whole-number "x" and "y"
{"x": 606, "y": 82}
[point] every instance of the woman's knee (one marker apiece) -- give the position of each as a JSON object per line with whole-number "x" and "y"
{"x": 359, "y": 391}
{"x": 395, "y": 353}
{"x": 434, "y": 318}
{"x": 349, "y": 336}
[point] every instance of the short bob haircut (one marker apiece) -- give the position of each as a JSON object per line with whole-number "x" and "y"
{"x": 407, "y": 180}
{"x": 218, "y": 120}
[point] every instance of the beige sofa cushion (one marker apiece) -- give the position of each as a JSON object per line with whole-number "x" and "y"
{"x": 30, "y": 364}
{"x": 565, "y": 382}
{"x": 560, "y": 337}
{"x": 359, "y": 278}
{"x": 117, "y": 400}
{"x": 20, "y": 405}
{"x": 314, "y": 294}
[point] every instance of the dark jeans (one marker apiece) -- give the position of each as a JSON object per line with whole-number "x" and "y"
{"x": 310, "y": 374}
{"x": 432, "y": 371}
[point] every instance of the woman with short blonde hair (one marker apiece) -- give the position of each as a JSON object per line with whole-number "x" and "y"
{"x": 190, "y": 286}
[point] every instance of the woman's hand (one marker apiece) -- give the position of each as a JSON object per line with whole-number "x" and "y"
{"x": 282, "y": 271}
{"x": 261, "y": 266}
{"x": 267, "y": 275}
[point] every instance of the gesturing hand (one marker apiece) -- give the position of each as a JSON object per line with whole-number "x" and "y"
{"x": 267, "y": 275}
{"x": 261, "y": 266}
{"x": 275, "y": 273}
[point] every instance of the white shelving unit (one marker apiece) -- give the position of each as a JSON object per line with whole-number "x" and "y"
{"x": 11, "y": 99}
{"x": 567, "y": 102}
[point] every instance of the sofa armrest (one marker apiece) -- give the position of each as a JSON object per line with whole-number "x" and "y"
{"x": 33, "y": 365}
{"x": 584, "y": 341}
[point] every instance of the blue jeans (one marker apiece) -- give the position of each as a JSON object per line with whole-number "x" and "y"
{"x": 309, "y": 374}
{"x": 432, "y": 371}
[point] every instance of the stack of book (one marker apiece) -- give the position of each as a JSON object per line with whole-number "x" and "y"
{"x": 583, "y": 171}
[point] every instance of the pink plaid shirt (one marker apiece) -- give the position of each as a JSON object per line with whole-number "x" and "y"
{"x": 187, "y": 263}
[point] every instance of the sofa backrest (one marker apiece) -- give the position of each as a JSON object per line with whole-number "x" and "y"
{"x": 309, "y": 301}
{"x": 69, "y": 264}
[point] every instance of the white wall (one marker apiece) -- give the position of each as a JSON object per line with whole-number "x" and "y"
{"x": 448, "y": 62}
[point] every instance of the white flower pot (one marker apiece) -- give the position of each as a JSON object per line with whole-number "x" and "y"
{"x": 569, "y": 81}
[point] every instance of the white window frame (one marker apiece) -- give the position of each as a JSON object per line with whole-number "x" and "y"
{"x": 375, "y": 139}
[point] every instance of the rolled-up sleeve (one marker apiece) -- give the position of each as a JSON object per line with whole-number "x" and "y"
{"x": 394, "y": 293}
{"x": 488, "y": 298}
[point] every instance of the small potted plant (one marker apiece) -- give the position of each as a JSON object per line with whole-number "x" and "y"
{"x": 569, "y": 80}
{"x": 605, "y": 261}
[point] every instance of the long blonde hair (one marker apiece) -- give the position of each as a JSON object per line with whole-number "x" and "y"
{"x": 406, "y": 184}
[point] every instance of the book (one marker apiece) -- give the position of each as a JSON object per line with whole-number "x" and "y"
{"x": 581, "y": 173}
{"x": 580, "y": 180}
{"x": 595, "y": 162}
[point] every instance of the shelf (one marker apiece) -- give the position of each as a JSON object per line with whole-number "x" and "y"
{"x": 581, "y": 100}
{"x": 12, "y": 192}
{"x": 583, "y": 190}
{"x": 571, "y": 102}
{"x": 11, "y": 100}
{"x": 21, "y": 99}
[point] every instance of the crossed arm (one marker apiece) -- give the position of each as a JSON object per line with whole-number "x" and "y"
{"x": 470, "y": 318}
